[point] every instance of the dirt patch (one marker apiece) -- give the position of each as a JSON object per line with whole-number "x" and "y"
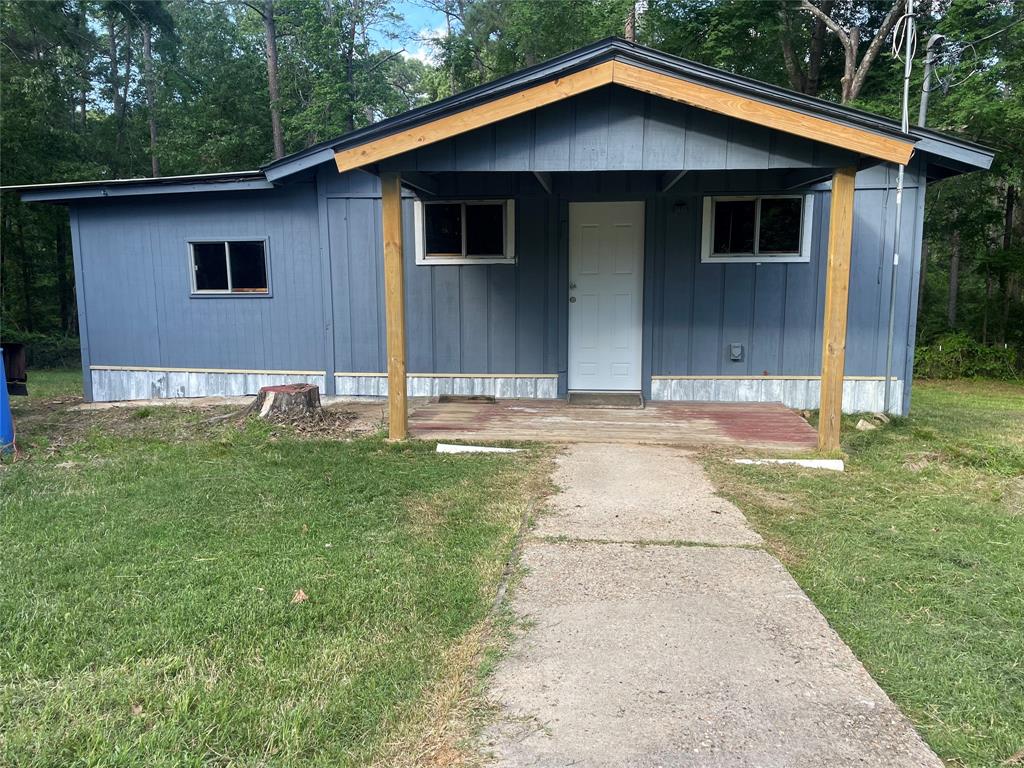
{"x": 921, "y": 460}
{"x": 1013, "y": 496}
{"x": 439, "y": 736}
{"x": 47, "y": 428}
{"x": 318, "y": 424}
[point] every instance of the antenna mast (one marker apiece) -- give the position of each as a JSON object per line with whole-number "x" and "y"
{"x": 907, "y": 26}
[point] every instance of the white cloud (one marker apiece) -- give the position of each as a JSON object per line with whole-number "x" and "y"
{"x": 422, "y": 46}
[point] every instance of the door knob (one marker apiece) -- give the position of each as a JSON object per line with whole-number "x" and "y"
{"x": 572, "y": 286}
{"x": 572, "y": 299}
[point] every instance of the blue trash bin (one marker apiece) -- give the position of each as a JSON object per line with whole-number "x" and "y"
{"x": 6, "y": 420}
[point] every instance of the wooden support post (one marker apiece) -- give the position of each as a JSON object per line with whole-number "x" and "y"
{"x": 394, "y": 303}
{"x": 837, "y": 291}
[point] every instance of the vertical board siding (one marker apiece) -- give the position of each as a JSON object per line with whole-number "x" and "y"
{"x": 614, "y": 128}
{"x": 502, "y": 319}
{"x": 135, "y": 259}
{"x": 531, "y": 285}
{"x": 474, "y": 318}
{"x": 775, "y": 310}
{"x": 356, "y": 253}
{"x": 737, "y": 316}
{"x": 767, "y": 321}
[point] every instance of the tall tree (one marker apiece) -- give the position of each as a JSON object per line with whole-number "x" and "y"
{"x": 804, "y": 72}
{"x": 147, "y": 58}
{"x": 855, "y": 65}
{"x": 273, "y": 75}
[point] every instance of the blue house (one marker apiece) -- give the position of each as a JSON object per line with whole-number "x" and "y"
{"x": 615, "y": 219}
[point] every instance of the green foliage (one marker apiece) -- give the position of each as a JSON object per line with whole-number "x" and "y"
{"x": 76, "y": 107}
{"x": 958, "y": 356}
{"x": 46, "y": 350}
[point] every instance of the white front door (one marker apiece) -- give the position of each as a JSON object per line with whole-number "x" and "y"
{"x": 606, "y": 282}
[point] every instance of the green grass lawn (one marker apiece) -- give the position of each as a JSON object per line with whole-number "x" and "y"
{"x": 146, "y": 604}
{"x": 150, "y": 558}
{"x": 916, "y": 557}
{"x": 49, "y": 384}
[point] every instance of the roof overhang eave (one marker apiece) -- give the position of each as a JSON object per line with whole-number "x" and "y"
{"x": 87, "y": 190}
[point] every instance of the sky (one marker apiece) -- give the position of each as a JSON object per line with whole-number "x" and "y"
{"x": 421, "y": 22}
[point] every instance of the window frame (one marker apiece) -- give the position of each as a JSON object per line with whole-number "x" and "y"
{"x": 196, "y": 293}
{"x": 803, "y": 256}
{"x": 508, "y": 234}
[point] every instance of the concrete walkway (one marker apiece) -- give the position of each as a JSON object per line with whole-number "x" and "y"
{"x": 660, "y": 634}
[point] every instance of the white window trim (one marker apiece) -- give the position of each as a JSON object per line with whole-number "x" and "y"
{"x": 708, "y": 232}
{"x": 225, "y": 241}
{"x": 510, "y": 235}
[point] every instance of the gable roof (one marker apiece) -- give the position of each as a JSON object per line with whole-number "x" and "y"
{"x": 609, "y": 61}
{"x": 614, "y": 60}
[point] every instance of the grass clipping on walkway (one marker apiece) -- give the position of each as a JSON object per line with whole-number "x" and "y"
{"x": 150, "y": 609}
{"x": 916, "y": 556}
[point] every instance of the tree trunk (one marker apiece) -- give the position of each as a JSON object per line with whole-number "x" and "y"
{"x": 147, "y": 60}
{"x": 812, "y": 81}
{"x": 1011, "y": 199}
{"x": 350, "y": 72}
{"x": 797, "y": 78}
{"x": 987, "y": 303}
{"x": 122, "y": 112}
{"x": 448, "y": 32}
{"x": 629, "y": 32}
{"x": 806, "y": 80}
{"x": 83, "y": 95}
{"x": 115, "y": 87}
{"x": 1004, "y": 272}
{"x": 60, "y": 265}
{"x": 850, "y": 66}
{"x": 854, "y": 74}
{"x": 1004, "y": 295}
{"x": 922, "y": 282}
{"x": 27, "y": 279}
{"x": 270, "y": 29}
{"x": 954, "y": 279}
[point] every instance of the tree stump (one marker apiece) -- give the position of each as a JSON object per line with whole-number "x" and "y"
{"x": 287, "y": 400}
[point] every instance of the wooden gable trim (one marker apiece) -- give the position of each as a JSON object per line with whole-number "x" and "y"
{"x": 770, "y": 116}
{"x": 640, "y": 79}
{"x": 475, "y": 117}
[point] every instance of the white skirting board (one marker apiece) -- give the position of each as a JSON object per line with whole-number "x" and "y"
{"x": 418, "y": 385}
{"x": 112, "y": 384}
{"x": 860, "y": 395}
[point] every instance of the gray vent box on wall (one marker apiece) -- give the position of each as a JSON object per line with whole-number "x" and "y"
{"x": 736, "y": 352}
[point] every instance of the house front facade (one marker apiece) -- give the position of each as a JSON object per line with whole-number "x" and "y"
{"x": 613, "y": 220}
